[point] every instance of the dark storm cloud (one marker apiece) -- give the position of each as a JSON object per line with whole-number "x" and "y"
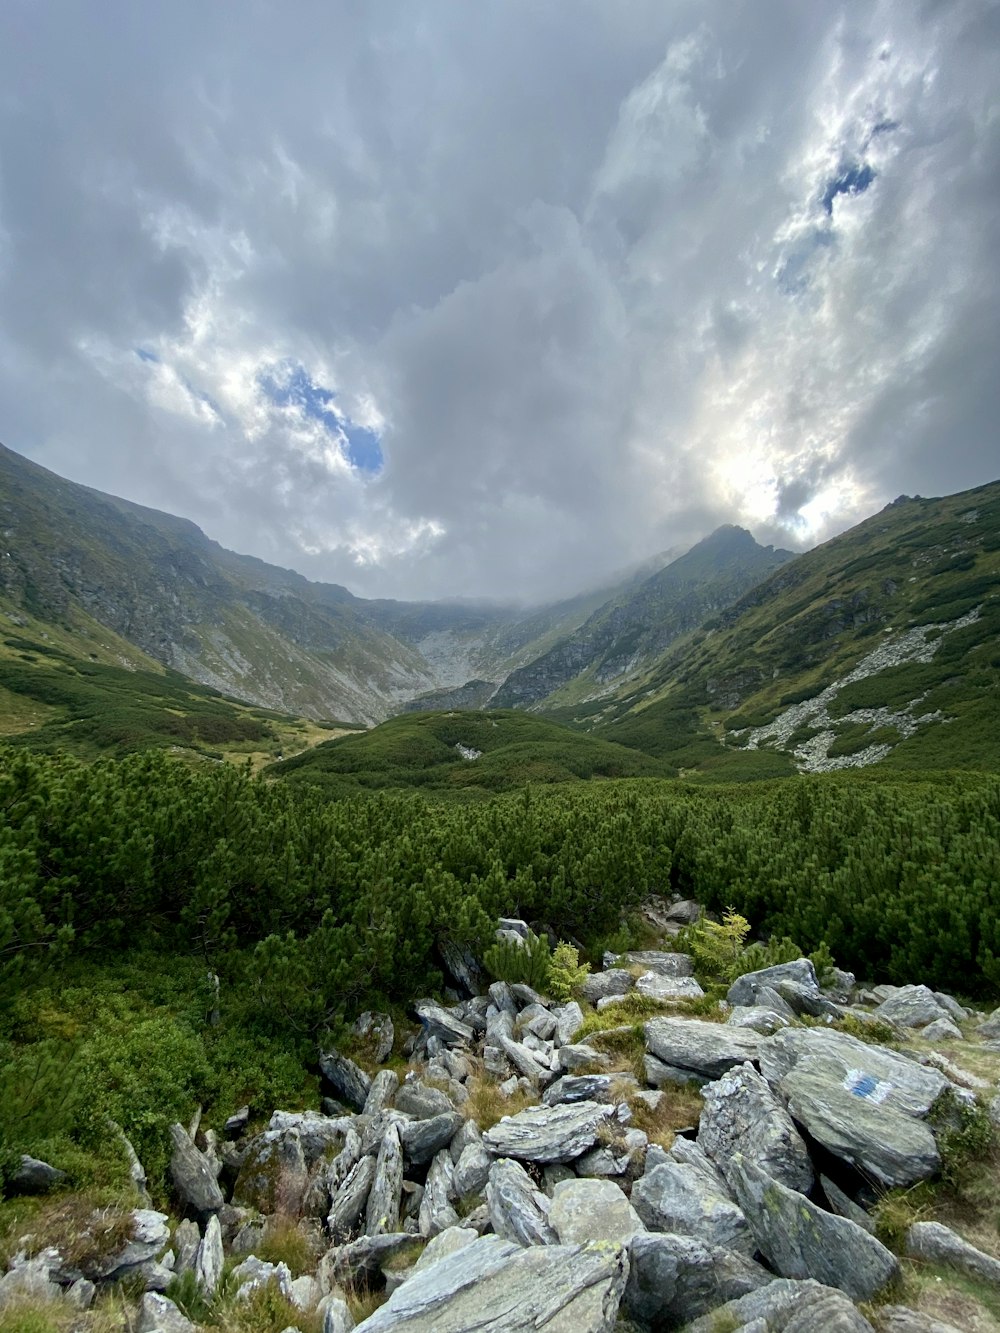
{"x": 545, "y": 288}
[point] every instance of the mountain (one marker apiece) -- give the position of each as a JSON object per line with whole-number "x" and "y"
{"x": 880, "y": 646}
{"x": 638, "y": 626}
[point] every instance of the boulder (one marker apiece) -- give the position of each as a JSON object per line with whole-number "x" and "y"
{"x": 382, "y": 1210}
{"x": 472, "y": 1170}
{"x": 446, "y": 1242}
{"x": 707, "y": 1049}
{"x": 592, "y": 1210}
{"x": 901, "y": 1319}
{"x": 159, "y": 1315}
{"x": 254, "y": 1273}
{"x": 600, "y": 985}
{"x": 558, "y": 1289}
{"x": 436, "y": 1212}
{"x": 911, "y": 1007}
{"x": 942, "y": 1029}
{"x": 360, "y": 1262}
{"x": 578, "y": 1055}
{"x": 673, "y": 1279}
{"x": 788, "y": 1306}
{"x": 656, "y": 986}
{"x": 659, "y": 1075}
{"x": 552, "y": 1133}
{"x": 378, "y": 1031}
{"x": 850, "y": 1116}
{"x": 30, "y": 1279}
{"x": 462, "y": 965}
{"x": 351, "y": 1199}
{"x": 744, "y": 988}
{"x": 518, "y": 1211}
{"x": 237, "y": 1123}
{"x": 150, "y": 1236}
{"x": 186, "y": 1240}
{"x": 210, "y": 1257}
{"x": 33, "y": 1176}
{"x": 764, "y": 1021}
{"x": 274, "y": 1175}
{"x": 661, "y": 961}
{"x": 193, "y": 1179}
{"x": 581, "y": 1088}
{"x": 892, "y": 1079}
{"x": 420, "y": 1100}
{"x": 938, "y": 1244}
{"x": 677, "y": 1197}
{"x": 336, "y": 1313}
{"x": 569, "y": 1021}
{"x": 844, "y": 1206}
{"x": 421, "y": 1139}
{"x": 350, "y": 1083}
{"x": 799, "y": 1240}
{"x": 384, "y": 1087}
{"x": 742, "y": 1114}
{"x": 443, "y": 1024}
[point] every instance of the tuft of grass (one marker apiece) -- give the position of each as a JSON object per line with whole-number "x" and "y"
{"x": 966, "y": 1137}
{"x": 680, "y": 1106}
{"x": 33, "y": 1315}
{"x": 404, "y": 1258}
{"x": 265, "y": 1310}
{"x": 285, "y": 1241}
{"x": 86, "y": 1228}
{"x": 876, "y": 1031}
{"x": 487, "y": 1106}
{"x": 624, "y": 1011}
{"x": 362, "y": 1302}
{"x": 896, "y": 1212}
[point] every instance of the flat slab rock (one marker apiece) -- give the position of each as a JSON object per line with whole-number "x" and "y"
{"x": 787, "y": 1306}
{"x": 707, "y": 1049}
{"x": 939, "y": 1244}
{"x": 550, "y": 1133}
{"x": 592, "y": 1210}
{"x": 493, "y": 1286}
{"x": 742, "y": 1114}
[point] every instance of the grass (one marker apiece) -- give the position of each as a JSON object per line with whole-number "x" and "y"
{"x": 487, "y": 1106}
{"x": 363, "y": 1301}
{"x": 32, "y": 1315}
{"x": 678, "y": 1108}
{"x": 286, "y": 1242}
{"x": 86, "y": 1227}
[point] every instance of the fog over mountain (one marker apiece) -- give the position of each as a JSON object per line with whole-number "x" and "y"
{"x": 490, "y": 300}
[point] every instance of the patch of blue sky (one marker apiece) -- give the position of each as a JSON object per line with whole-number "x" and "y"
{"x": 854, "y": 179}
{"x": 144, "y": 354}
{"x": 291, "y": 385}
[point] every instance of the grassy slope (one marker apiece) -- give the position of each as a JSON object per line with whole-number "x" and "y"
{"x": 418, "y": 750}
{"x": 916, "y": 563}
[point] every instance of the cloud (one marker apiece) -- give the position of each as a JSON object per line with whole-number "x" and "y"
{"x": 494, "y": 300}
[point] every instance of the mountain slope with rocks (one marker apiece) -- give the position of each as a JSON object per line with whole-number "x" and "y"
{"x": 637, "y": 1157}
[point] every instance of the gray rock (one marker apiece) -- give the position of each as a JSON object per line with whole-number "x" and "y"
{"x": 515, "y": 926}
{"x": 655, "y": 986}
{"x": 350, "y": 1083}
{"x": 660, "y": 1075}
{"x": 580, "y": 1088}
{"x": 421, "y": 1139}
{"x": 742, "y": 1114}
{"x": 210, "y": 1257}
{"x": 436, "y": 1211}
{"x": 254, "y": 1273}
{"x": 384, "y": 1087}
{"x": 150, "y": 1237}
{"x": 744, "y": 988}
{"x": 911, "y": 1007}
{"x": 525, "y": 995}
{"x": 351, "y": 1199}
{"x": 768, "y": 997}
{"x": 940, "y": 1245}
{"x": 81, "y": 1293}
{"x": 193, "y": 1179}
{"x": 441, "y": 1023}
{"x": 592, "y": 1210}
{"x": 359, "y": 1262}
{"x": 787, "y": 1306}
{"x": 901, "y": 1319}
{"x": 578, "y": 1055}
{"x": 30, "y": 1279}
{"x": 274, "y": 1175}
{"x": 569, "y": 1021}
{"x": 382, "y": 1210}
{"x": 439, "y": 1247}
{"x": 673, "y": 1279}
{"x": 377, "y": 1029}
{"x": 518, "y": 1211}
{"x": 467, "y": 1134}
{"x": 503, "y": 998}
{"x": 33, "y": 1176}
{"x": 688, "y": 1152}
{"x": 524, "y": 1060}
{"x": 798, "y": 1239}
{"x": 839, "y": 985}
{"x": 237, "y": 1123}
{"x": 658, "y": 960}
{"x": 764, "y": 1021}
{"x": 538, "y": 1020}
{"x": 337, "y": 1317}
{"x": 958, "y": 1013}
{"x": 552, "y": 1133}
{"x": 421, "y": 1101}
{"x": 600, "y": 985}
{"x": 187, "y": 1238}
{"x": 305, "y": 1292}
{"x": 847, "y": 1114}
{"x": 462, "y": 964}
{"x": 159, "y": 1315}
{"x": 708, "y": 1049}
{"x": 493, "y": 1286}
{"x": 844, "y": 1206}
{"x": 472, "y": 1170}
{"x": 903, "y": 1084}
{"x": 374, "y": 1128}
{"x": 942, "y": 1029}
{"x": 676, "y": 1197}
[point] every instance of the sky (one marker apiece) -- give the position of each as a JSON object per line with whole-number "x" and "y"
{"x": 434, "y": 298}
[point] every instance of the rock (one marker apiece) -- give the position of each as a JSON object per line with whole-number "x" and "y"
{"x": 237, "y": 1123}
{"x": 660, "y": 961}
{"x": 524, "y": 1060}
{"x": 187, "y": 1239}
{"x": 382, "y": 1212}
{"x": 210, "y": 1257}
{"x": 788, "y": 1306}
{"x": 421, "y": 1101}
{"x": 742, "y": 1114}
{"x": 274, "y": 1175}
{"x": 708, "y": 1049}
{"x": 744, "y": 988}
{"x": 849, "y": 1114}
{"x": 676, "y": 1197}
{"x": 940, "y": 1245}
{"x": 305, "y": 1292}
{"x": 503, "y": 998}
{"x": 901, "y": 1082}
{"x": 574, "y": 1056}
{"x": 660, "y": 1075}
{"x": 659, "y": 987}
{"x": 538, "y": 1020}
{"x": 951, "y": 1006}
{"x": 518, "y": 1211}
{"x": 599, "y": 985}
{"x": 581, "y": 1088}
{"x": 439, "y": 1247}
{"x": 685, "y": 911}
{"x": 193, "y": 1179}
{"x": 901, "y": 1319}
{"x": 569, "y": 1021}
{"x": 514, "y": 925}
{"x": 462, "y": 965}
{"x": 33, "y": 1176}
{"x": 359, "y": 1262}
{"x": 150, "y": 1236}
{"x": 551, "y": 1133}
{"x": 559, "y": 1289}
{"x": 337, "y": 1317}
{"x": 525, "y": 995}
{"x": 378, "y": 1030}
{"x": 764, "y": 1021}
{"x": 384, "y": 1087}
{"x": 839, "y": 985}
{"x": 350, "y": 1083}
{"x": 254, "y": 1273}
{"x": 374, "y": 1129}
{"x": 421, "y": 1139}
{"x": 436, "y": 1213}
{"x": 798, "y": 1239}
{"x": 317, "y": 1133}
{"x": 439, "y": 1022}
{"x": 159, "y": 1315}
{"x": 911, "y": 1007}
{"x": 30, "y": 1279}
{"x": 592, "y": 1210}
{"x": 349, "y": 1202}
{"x": 844, "y": 1206}
{"x": 81, "y": 1293}
{"x": 673, "y": 1279}
{"x": 942, "y": 1029}
{"x": 467, "y": 1134}
{"x": 472, "y": 1170}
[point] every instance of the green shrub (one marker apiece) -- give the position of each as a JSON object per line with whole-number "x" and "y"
{"x": 566, "y": 972}
{"x": 528, "y": 962}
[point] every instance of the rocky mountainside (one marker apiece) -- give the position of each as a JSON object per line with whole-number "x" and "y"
{"x": 750, "y": 1163}
{"x": 634, "y": 629}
